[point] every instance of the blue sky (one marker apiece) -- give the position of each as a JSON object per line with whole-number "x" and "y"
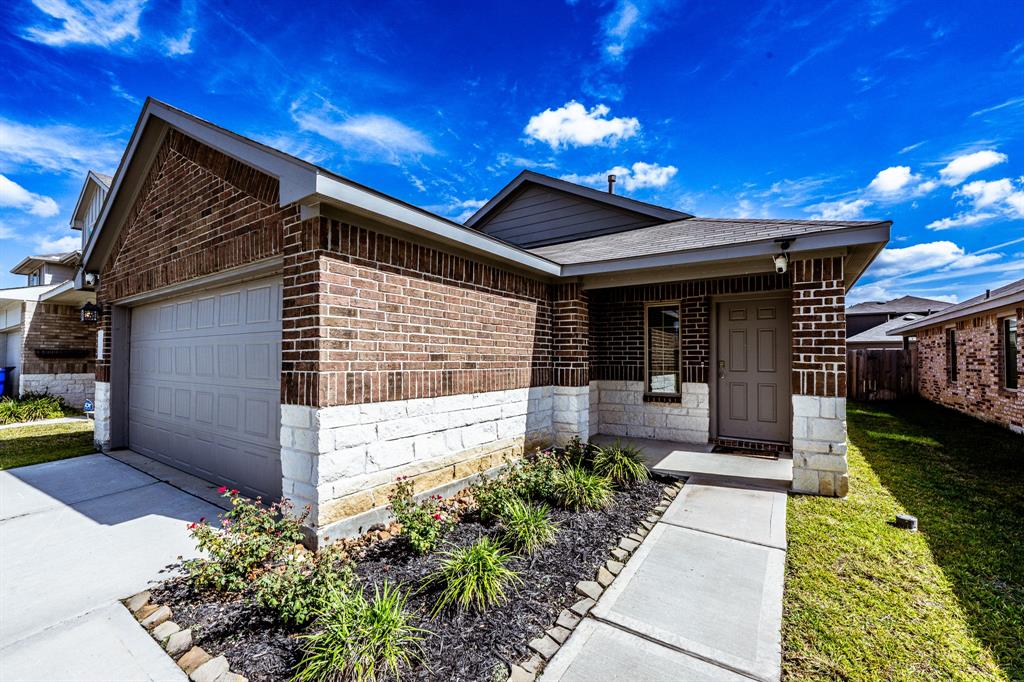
{"x": 911, "y": 111}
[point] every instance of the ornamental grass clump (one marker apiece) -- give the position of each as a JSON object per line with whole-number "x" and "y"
{"x": 31, "y": 407}
{"x": 423, "y": 523}
{"x": 474, "y": 577}
{"x": 527, "y": 526}
{"x": 492, "y": 496}
{"x": 302, "y": 584}
{"x": 251, "y": 536}
{"x": 355, "y": 638}
{"x": 623, "y": 464}
{"x": 577, "y": 489}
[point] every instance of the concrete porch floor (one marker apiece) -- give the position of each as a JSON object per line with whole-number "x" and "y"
{"x": 683, "y": 460}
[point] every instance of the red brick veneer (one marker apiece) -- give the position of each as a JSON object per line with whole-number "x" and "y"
{"x": 198, "y": 212}
{"x": 819, "y": 327}
{"x": 371, "y": 317}
{"x": 53, "y": 326}
{"x": 978, "y": 390}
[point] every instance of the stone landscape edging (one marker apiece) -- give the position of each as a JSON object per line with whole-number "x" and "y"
{"x": 198, "y": 665}
{"x": 547, "y": 645}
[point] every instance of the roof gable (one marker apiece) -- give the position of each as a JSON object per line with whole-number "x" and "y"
{"x": 904, "y": 304}
{"x": 536, "y": 209}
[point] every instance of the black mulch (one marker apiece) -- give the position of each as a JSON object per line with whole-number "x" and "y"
{"x": 461, "y": 645}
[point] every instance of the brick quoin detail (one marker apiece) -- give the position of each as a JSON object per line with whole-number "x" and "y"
{"x": 617, "y": 323}
{"x": 978, "y": 390}
{"x": 570, "y": 335}
{"x": 369, "y": 317}
{"x": 54, "y": 327}
{"x": 819, "y": 327}
{"x": 199, "y": 212}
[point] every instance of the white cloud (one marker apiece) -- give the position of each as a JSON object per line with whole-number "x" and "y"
{"x": 572, "y": 125}
{"x": 457, "y": 210}
{"x": 627, "y": 26}
{"x": 640, "y": 175}
{"x": 985, "y": 193}
{"x": 961, "y": 220}
{"x": 892, "y": 180}
{"x": 369, "y": 133}
{"x": 180, "y": 46}
{"x": 966, "y": 165}
{"x": 13, "y": 195}
{"x": 928, "y": 255}
{"x": 55, "y": 148}
{"x": 297, "y": 147}
{"x": 60, "y": 244}
{"x": 844, "y": 209}
{"x": 86, "y": 22}
{"x": 973, "y": 260}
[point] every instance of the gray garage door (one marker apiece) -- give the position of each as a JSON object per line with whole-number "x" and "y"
{"x": 204, "y": 394}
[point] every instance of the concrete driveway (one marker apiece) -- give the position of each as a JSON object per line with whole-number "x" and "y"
{"x": 75, "y": 536}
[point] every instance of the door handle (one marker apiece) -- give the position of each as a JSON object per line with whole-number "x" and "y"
{"x": 721, "y": 369}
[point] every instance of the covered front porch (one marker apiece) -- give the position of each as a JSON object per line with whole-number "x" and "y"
{"x": 740, "y": 376}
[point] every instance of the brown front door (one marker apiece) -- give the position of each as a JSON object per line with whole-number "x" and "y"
{"x": 753, "y": 396}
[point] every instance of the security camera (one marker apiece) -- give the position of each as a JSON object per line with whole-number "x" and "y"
{"x": 781, "y": 263}
{"x": 91, "y": 279}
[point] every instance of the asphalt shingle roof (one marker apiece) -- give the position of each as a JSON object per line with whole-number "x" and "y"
{"x": 904, "y": 304}
{"x": 881, "y": 332}
{"x": 687, "y": 234}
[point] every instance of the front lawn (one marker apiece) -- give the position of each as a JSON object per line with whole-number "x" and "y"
{"x": 26, "y": 445}
{"x": 867, "y": 601}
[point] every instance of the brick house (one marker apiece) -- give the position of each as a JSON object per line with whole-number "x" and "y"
{"x": 281, "y": 329}
{"x": 971, "y": 357}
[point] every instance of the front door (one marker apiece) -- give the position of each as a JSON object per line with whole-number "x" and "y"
{"x": 753, "y": 401}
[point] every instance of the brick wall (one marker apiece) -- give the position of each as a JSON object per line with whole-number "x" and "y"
{"x": 198, "y": 212}
{"x": 819, "y": 327}
{"x": 369, "y": 317}
{"x": 978, "y": 390}
{"x": 570, "y": 345}
{"x": 617, "y": 323}
{"x": 54, "y": 327}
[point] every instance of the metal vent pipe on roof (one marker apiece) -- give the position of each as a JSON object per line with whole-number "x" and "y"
{"x": 611, "y": 183}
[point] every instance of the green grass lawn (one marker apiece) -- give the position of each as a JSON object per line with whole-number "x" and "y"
{"x": 867, "y": 601}
{"x": 26, "y": 445}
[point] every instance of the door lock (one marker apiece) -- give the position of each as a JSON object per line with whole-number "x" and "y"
{"x": 721, "y": 369}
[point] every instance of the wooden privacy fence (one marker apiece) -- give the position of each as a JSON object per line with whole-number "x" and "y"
{"x": 881, "y": 374}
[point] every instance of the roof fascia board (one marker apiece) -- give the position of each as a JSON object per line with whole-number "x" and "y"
{"x": 1009, "y": 299}
{"x": 351, "y": 197}
{"x": 767, "y": 247}
{"x": 589, "y": 193}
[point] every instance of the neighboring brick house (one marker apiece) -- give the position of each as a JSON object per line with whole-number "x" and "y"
{"x": 870, "y": 314}
{"x": 284, "y": 330}
{"x": 43, "y": 340}
{"x": 971, "y": 356}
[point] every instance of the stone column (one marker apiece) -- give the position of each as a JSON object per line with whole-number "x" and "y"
{"x": 571, "y": 376}
{"x": 819, "y": 377}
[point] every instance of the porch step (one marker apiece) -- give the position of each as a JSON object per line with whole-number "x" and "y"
{"x": 683, "y": 460}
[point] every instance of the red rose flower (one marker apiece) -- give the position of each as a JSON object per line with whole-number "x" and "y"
{"x": 437, "y": 517}
{"x": 223, "y": 489}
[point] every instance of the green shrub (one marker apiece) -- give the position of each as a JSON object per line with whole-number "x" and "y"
{"x": 578, "y": 453}
{"x": 251, "y": 535}
{"x": 474, "y": 577}
{"x": 533, "y": 477}
{"x": 492, "y": 496}
{"x": 527, "y": 526}
{"x": 423, "y": 523}
{"x": 302, "y": 585}
{"x": 359, "y": 639}
{"x": 576, "y": 489}
{"x": 623, "y": 464}
{"x": 31, "y": 407}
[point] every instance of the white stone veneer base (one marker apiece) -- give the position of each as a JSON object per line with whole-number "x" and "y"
{"x": 74, "y": 388}
{"x": 622, "y": 411}
{"x": 101, "y": 428}
{"x": 819, "y": 446}
{"x": 570, "y": 416}
{"x": 343, "y": 460}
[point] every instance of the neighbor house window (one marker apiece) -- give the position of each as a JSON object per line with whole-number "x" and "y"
{"x": 951, "y": 353}
{"x": 1010, "y": 352}
{"x": 663, "y": 349}
{"x": 33, "y": 279}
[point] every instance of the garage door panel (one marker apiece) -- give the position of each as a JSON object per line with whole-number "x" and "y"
{"x": 205, "y": 385}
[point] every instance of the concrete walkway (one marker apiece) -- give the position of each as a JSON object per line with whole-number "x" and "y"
{"x": 77, "y": 535}
{"x": 701, "y": 599}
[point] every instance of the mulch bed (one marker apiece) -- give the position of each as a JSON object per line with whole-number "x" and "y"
{"x": 461, "y": 645}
